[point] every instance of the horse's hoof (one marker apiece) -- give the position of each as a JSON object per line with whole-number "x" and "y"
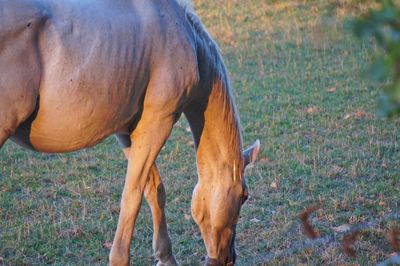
{"x": 170, "y": 262}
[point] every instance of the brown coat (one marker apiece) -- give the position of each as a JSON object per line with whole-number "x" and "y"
{"x": 74, "y": 72}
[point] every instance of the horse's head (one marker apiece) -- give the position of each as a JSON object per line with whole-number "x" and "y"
{"x": 216, "y": 205}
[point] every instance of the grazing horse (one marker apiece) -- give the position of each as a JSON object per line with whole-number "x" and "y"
{"x": 74, "y": 72}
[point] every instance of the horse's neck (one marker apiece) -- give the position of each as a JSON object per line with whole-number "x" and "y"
{"x": 212, "y": 115}
{"x": 216, "y": 132}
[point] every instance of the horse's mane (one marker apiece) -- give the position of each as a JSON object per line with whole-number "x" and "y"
{"x": 208, "y": 51}
{"x": 187, "y": 4}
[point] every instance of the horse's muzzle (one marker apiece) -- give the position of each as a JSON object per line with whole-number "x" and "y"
{"x": 215, "y": 262}
{"x": 231, "y": 260}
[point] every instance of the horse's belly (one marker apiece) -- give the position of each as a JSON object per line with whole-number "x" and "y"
{"x": 65, "y": 138}
{"x": 44, "y": 141}
{"x": 70, "y": 129}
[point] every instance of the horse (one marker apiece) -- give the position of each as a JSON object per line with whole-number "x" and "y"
{"x": 75, "y": 72}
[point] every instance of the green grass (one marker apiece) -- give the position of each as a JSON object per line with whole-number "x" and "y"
{"x": 299, "y": 89}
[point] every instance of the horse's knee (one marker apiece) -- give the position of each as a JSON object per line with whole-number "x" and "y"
{"x": 155, "y": 196}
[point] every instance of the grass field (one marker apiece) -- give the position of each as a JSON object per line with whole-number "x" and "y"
{"x": 299, "y": 90}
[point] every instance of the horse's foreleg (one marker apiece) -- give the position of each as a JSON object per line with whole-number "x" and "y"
{"x": 147, "y": 139}
{"x": 155, "y": 197}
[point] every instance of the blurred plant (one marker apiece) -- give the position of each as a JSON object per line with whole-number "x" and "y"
{"x": 383, "y": 25}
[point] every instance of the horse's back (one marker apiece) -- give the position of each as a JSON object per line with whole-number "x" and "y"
{"x": 97, "y": 59}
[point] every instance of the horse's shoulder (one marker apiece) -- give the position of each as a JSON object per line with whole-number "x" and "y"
{"x": 175, "y": 50}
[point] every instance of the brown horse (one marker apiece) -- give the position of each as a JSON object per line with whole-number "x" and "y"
{"x": 74, "y": 72}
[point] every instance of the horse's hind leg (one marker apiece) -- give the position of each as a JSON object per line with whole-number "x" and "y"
{"x": 20, "y": 71}
{"x": 155, "y": 197}
{"x": 13, "y": 112}
{"x": 3, "y": 137}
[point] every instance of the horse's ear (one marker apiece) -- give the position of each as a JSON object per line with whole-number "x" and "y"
{"x": 251, "y": 153}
